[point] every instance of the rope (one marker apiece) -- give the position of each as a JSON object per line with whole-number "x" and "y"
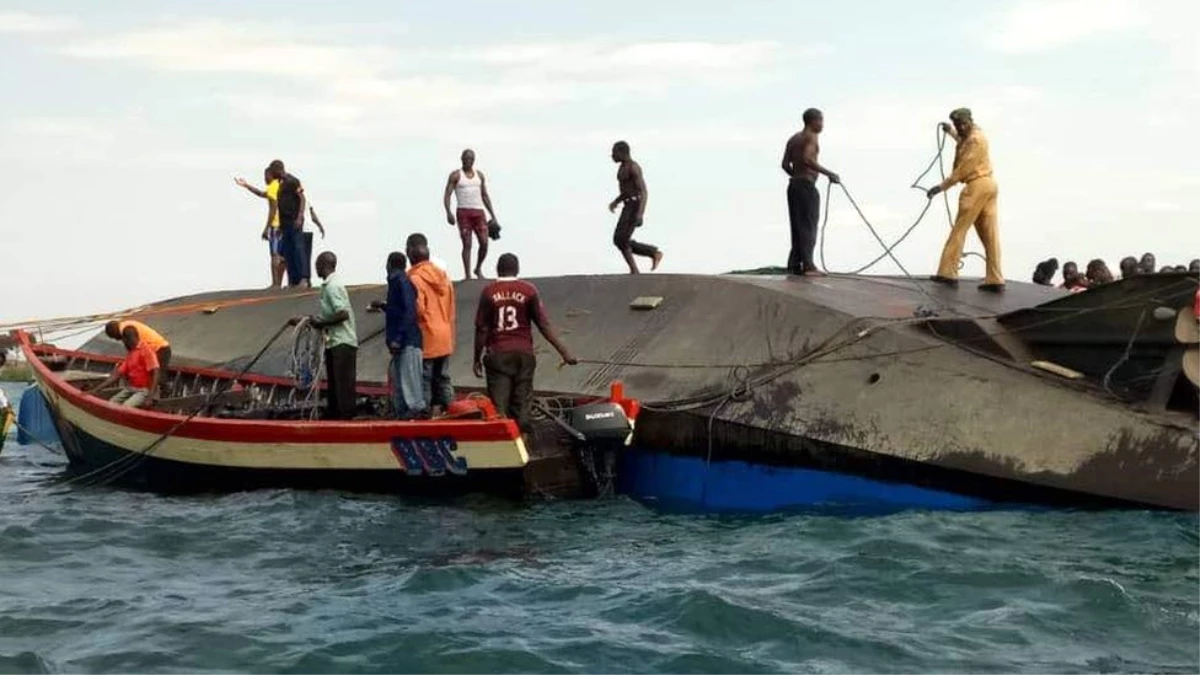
{"x": 308, "y": 359}
{"x": 128, "y": 462}
{"x": 1124, "y": 357}
{"x": 916, "y": 185}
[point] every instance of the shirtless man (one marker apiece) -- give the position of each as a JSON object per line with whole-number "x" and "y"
{"x": 633, "y": 196}
{"x": 804, "y": 202}
{"x": 469, "y": 188}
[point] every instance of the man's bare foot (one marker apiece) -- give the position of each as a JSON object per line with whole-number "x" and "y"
{"x": 658, "y": 255}
{"x": 478, "y": 274}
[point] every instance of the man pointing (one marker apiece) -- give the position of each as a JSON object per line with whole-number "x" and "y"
{"x": 976, "y": 203}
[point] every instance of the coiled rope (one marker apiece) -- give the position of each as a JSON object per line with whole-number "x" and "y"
{"x": 308, "y": 360}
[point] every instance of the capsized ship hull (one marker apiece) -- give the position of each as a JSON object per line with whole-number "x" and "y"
{"x": 895, "y": 382}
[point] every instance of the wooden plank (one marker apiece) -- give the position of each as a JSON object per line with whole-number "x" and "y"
{"x": 1061, "y": 371}
{"x": 190, "y": 403}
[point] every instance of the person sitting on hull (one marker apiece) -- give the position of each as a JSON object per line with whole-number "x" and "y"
{"x": 336, "y": 321}
{"x": 632, "y": 198}
{"x": 508, "y": 309}
{"x": 976, "y": 203}
{"x": 1044, "y": 273}
{"x": 1148, "y": 264}
{"x": 803, "y": 200}
{"x": 1072, "y": 280}
{"x": 140, "y": 370}
{"x": 436, "y": 317}
{"x": 1129, "y": 267}
{"x": 152, "y": 338}
{"x": 403, "y": 337}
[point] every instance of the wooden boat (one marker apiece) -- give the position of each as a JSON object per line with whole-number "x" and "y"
{"x": 214, "y": 430}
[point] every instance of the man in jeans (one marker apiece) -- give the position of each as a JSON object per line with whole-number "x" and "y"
{"x": 403, "y": 340}
{"x": 435, "y": 316}
{"x": 336, "y": 320}
{"x": 508, "y": 308}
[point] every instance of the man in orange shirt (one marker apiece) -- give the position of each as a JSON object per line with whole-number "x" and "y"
{"x": 436, "y": 317}
{"x": 155, "y": 341}
{"x": 141, "y": 371}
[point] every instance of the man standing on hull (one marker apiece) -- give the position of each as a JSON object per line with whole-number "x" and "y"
{"x": 508, "y": 309}
{"x": 633, "y": 196}
{"x": 976, "y": 203}
{"x": 470, "y": 192}
{"x": 804, "y": 202}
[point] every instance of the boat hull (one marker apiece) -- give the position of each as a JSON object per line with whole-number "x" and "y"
{"x": 94, "y": 460}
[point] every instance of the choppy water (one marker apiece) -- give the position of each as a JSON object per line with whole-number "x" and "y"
{"x": 100, "y": 580}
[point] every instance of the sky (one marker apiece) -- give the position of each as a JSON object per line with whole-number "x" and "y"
{"x": 123, "y": 124}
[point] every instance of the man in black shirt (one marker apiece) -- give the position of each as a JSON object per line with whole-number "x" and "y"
{"x": 291, "y": 225}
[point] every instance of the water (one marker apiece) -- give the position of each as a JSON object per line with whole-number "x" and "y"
{"x": 100, "y": 580}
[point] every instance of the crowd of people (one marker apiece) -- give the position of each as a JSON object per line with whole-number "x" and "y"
{"x": 419, "y": 329}
{"x": 1097, "y": 272}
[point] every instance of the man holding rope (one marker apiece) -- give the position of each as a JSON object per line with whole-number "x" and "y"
{"x": 336, "y": 321}
{"x": 804, "y": 202}
{"x": 976, "y": 203}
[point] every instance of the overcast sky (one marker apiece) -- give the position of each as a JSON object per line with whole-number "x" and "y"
{"x": 124, "y": 122}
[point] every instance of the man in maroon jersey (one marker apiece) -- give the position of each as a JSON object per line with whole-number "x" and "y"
{"x": 508, "y": 308}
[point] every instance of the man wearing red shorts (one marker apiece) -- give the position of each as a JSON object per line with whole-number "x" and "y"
{"x": 470, "y": 191}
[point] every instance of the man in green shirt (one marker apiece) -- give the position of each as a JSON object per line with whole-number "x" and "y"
{"x": 336, "y": 320}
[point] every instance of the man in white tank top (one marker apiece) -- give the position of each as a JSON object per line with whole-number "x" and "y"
{"x": 469, "y": 188}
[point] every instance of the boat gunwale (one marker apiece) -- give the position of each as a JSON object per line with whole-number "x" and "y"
{"x": 252, "y": 431}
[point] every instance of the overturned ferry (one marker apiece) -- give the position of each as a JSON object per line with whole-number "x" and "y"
{"x": 765, "y": 392}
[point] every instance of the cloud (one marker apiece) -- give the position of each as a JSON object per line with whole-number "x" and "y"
{"x": 360, "y": 86}
{"x": 23, "y": 22}
{"x": 1034, "y": 26}
{"x": 65, "y": 128}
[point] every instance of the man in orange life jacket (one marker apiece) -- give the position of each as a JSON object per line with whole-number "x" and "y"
{"x": 508, "y": 308}
{"x": 155, "y": 341}
{"x": 141, "y": 370}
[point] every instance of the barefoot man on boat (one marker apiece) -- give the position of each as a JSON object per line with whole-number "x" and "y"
{"x": 804, "y": 202}
{"x": 633, "y": 195}
{"x": 469, "y": 188}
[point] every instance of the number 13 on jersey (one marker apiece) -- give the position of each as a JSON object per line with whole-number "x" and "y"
{"x": 506, "y": 318}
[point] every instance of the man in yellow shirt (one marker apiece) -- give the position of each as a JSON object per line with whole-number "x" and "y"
{"x": 976, "y": 203}
{"x": 270, "y": 233}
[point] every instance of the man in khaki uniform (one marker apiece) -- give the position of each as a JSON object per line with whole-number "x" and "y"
{"x": 976, "y": 203}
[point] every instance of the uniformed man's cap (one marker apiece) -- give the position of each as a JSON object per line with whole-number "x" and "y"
{"x": 960, "y": 114}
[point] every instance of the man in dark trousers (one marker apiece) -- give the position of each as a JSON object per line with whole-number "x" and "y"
{"x": 633, "y": 196}
{"x": 508, "y": 308}
{"x": 290, "y": 201}
{"x": 336, "y": 320}
{"x": 804, "y": 202}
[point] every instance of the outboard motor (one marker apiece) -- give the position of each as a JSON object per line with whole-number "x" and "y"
{"x": 604, "y": 427}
